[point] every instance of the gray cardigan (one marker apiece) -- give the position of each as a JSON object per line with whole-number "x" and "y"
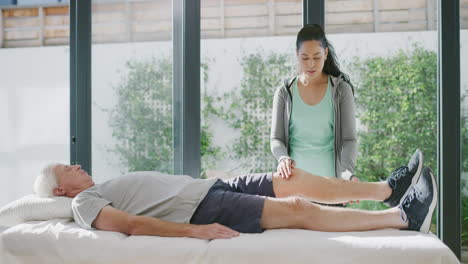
{"x": 345, "y": 125}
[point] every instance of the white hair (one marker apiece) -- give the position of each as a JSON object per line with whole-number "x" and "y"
{"x": 46, "y": 181}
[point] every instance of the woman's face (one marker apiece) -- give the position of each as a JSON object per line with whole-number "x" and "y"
{"x": 311, "y": 57}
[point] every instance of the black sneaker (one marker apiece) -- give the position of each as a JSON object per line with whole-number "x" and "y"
{"x": 418, "y": 205}
{"x": 403, "y": 178}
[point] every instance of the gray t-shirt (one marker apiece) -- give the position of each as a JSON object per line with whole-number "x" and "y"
{"x": 172, "y": 198}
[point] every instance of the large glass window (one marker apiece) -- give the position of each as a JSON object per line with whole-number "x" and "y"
{"x": 247, "y": 49}
{"x": 389, "y": 49}
{"x": 132, "y": 87}
{"x": 34, "y": 95}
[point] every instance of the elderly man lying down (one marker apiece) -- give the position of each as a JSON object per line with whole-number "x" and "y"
{"x": 158, "y": 204}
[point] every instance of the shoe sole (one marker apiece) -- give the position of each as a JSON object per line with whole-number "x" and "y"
{"x": 416, "y": 176}
{"x": 427, "y": 221}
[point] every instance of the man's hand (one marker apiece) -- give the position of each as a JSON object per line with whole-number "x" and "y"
{"x": 285, "y": 166}
{"x": 213, "y": 231}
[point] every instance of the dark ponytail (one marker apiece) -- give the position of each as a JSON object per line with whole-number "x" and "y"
{"x": 315, "y": 32}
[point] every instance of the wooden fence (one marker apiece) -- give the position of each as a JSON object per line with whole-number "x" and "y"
{"x": 145, "y": 20}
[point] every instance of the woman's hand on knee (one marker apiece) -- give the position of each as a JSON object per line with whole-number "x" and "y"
{"x": 285, "y": 167}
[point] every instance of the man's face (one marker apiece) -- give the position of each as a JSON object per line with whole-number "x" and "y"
{"x": 71, "y": 179}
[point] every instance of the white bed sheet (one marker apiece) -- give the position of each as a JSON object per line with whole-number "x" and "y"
{"x": 62, "y": 241}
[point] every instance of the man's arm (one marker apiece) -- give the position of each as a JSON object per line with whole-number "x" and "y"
{"x": 112, "y": 219}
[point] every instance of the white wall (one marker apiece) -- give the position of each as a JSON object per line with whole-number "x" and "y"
{"x": 34, "y": 114}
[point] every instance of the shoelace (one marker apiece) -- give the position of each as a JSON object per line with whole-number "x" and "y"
{"x": 401, "y": 171}
{"x": 412, "y": 194}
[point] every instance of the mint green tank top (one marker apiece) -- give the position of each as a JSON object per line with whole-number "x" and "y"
{"x": 311, "y": 130}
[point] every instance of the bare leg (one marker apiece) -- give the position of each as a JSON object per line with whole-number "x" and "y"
{"x": 295, "y": 212}
{"x": 328, "y": 190}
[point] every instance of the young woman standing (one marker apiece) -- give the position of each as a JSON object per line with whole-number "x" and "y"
{"x": 313, "y": 119}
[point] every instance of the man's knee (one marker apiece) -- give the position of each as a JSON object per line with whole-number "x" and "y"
{"x": 287, "y": 187}
{"x": 297, "y": 203}
{"x": 288, "y": 212}
{"x": 290, "y": 206}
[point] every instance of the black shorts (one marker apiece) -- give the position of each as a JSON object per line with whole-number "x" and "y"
{"x": 236, "y": 203}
